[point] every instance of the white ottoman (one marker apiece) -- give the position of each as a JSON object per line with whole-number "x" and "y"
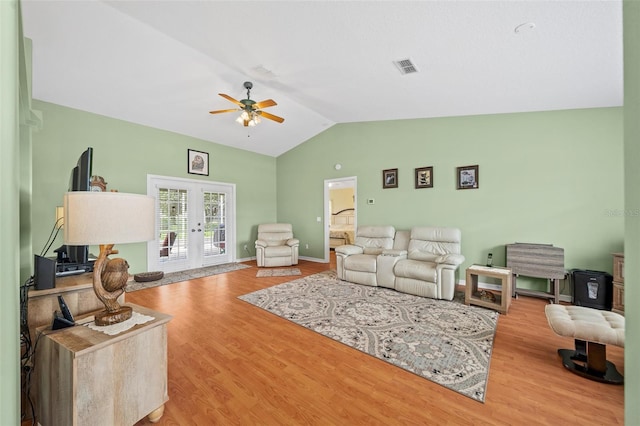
{"x": 592, "y": 330}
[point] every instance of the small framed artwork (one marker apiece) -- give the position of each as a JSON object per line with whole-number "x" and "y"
{"x": 390, "y": 178}
{"x": 424, "y": 177}
{"x": 468, "y": 177}
{"x": 198, "y": 162}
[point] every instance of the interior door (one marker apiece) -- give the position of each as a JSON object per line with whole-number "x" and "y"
{"x": 339, "y": 184}
{"x": 195, "y": 224}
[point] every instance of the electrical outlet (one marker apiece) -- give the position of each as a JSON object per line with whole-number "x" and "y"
{"x": 245, "y": 248}
{"x": 306, "y": 246}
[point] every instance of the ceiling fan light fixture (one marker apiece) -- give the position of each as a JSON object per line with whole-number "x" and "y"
{"x": 250, "y": 109}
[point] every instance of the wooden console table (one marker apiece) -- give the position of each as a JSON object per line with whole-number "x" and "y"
{"x": 503, "y": 300}
{"x": 87, "y": 377}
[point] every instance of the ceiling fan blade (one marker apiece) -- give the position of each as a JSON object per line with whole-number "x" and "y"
{"x": 265, "y": 104}
{"x": 271, "y": 116}
{"x": 223, "y": 110}
{"x": 229, "y": 98}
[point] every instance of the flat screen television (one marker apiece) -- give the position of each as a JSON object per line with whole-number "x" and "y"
{"x": 80, "y": 180}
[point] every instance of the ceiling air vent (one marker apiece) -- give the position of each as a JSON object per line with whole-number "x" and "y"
{"x": 406, "y": 66}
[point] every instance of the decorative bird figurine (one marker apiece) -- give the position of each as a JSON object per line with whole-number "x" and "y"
{"x": 110, "y": 278}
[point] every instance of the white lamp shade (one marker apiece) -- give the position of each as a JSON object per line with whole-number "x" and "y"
{"x": 93, "y": 218}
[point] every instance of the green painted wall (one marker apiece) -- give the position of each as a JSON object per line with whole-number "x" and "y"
{"x": 9, "y": 217}
{"x": 124, "y": 153}
{"x": 547, "y": 177}
{"x": 632, "y": 208}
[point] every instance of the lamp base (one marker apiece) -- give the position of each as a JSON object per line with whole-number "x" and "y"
{"x": 110, "y": 318}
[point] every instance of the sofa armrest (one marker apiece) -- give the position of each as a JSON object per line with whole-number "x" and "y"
{"x": 261, "y": 243}
{"x": 291, "y": 242}
{"x": 452, "y": 259}
{"x": 394, "y": 253}
{"x": 348, "y": 250}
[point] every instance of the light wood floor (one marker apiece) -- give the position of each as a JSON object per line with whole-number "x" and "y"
{"x": 231, "y": 363}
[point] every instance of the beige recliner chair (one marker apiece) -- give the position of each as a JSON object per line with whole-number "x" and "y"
{"x": 358, "y": 262}
{"x": 433, "y": 256}
{"x": 276, "y": 246}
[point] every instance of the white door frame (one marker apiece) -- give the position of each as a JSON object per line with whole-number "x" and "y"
{"x": 230, "y": 234}
{"x": 350, "y": 181}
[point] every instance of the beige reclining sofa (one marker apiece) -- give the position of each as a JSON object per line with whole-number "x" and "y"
{"x": 422, "y": 261}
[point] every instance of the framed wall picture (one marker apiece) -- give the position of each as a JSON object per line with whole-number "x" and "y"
{"x": 424, "y": 177}
{"x": 390, "y": 178}
{"x": 468, "y": 177}
{"x": 198, "y": 162}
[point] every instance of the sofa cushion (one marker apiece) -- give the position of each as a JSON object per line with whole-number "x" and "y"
{"x": 361, "y": 262}
{"x": 373, "y": 250}
{"x": 416, "y": 269}
{"x": 429, "y": 243}
{"x": 420, "y": 253}
{"x": 376, "y": 237}
{"x": 401, "y": 241}
{"x": 277, "y": 251}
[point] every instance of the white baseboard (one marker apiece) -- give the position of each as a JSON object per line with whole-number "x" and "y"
{"x": 312, "y": 259}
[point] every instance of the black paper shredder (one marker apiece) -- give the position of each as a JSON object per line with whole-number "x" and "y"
{"x": 592, "y": 289}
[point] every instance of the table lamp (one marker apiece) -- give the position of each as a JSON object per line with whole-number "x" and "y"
{"x": 105, "y": 219}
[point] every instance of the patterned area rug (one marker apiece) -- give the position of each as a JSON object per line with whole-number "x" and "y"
{"x": 278, "y": 272}
{"x": 446, "y": 342}
{"x": 190, "y": 274}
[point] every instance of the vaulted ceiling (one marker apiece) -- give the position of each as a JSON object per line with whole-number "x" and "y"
{"x": 162, "y": 63}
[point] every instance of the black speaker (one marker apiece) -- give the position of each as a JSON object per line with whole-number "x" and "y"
{"x": 44, "y": 276}
{"x": 592, "y": 289}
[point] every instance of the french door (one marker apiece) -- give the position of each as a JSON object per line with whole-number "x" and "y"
{"x": 195, "y": 224}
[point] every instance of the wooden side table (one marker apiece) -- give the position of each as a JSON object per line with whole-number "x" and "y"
{"x": 471, "y": 293}
{"x": 89, "y": 377}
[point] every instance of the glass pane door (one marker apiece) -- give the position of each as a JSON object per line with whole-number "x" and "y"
{"x": 214, "y": 242}
{"x": 194, "y": 224}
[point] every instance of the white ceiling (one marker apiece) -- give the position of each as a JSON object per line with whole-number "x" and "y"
{"x": 162, "y": 63}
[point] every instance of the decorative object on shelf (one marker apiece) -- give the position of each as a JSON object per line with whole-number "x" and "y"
{"x": 106, "y": 218}
{"x": 98, "y": 184}
{"x": 197, "y": 162}
{"x": 424, "y": 177}
{"x": 144, "y": 277}
{"x": 390, "y": 178}
{"x": 487, "y": 296}
{"x": 468, "y": 177}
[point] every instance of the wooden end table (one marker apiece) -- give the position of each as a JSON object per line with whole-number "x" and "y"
{"x": 471, "y": 293}
{"x": 91, "y": 378}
